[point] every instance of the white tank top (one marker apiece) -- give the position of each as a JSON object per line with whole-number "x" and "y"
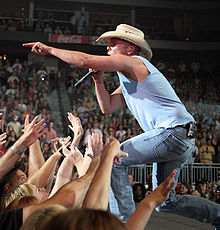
{"x": 153, "y": 102}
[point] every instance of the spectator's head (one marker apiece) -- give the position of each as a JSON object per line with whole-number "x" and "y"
{"x": 10, "y": 129}
{"x": 46, "y": 147}
{"x": 95, "y": 125}
{"x": 203, "y": 141}
{"x": 111, "y": 132}
{"x": 201, "y": 186}
{"x": 128, "y": 131}
{"x": 209, "y": 141}
{"x": 120, "y": 127}
{"x": 185, "y": 188}
{"x": 15, "y": 177}
{"x": 42, "y": 216}
{"x": 51, "y": 125}
{"x": 12, "y": 134}
{"x": 84, "y": 219}
{"x": 24, "y": 190}
{"x": 139, "y": 192}
{"x": 21, "y": 202}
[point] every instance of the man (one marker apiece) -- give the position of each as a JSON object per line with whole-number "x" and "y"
{"x": 168, "y": 137}
{"x": 15, "y": 177}
{"x": 51, "y": 132}
{"x": 16, "y": 125}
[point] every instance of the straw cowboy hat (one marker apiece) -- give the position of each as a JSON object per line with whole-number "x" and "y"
{"x": 130, "y": 34}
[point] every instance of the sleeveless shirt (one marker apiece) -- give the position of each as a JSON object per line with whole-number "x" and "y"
{"x": 153, "y": 102}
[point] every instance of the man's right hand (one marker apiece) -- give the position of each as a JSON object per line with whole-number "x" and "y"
{"x": 38, "y": 48}
{"x": 97, "y": 77}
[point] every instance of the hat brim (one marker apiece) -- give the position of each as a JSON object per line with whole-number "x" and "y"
{"x": 140, "y": 42}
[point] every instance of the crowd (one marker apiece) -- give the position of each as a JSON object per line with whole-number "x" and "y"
{"x": 206, "y": 189}
{"x": 83, "y": 22}
{"x": 47, "y": 22}
{"x": 24, "y": 90}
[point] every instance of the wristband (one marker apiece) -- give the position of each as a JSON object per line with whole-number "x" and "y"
{"x": 14, "y": 149}
{"x": 75, "y": 145}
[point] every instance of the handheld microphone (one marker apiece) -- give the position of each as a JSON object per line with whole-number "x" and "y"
{"x": 84, "y": 78}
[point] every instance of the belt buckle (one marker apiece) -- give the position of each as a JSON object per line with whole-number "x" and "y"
{"x": 191, "y": 130}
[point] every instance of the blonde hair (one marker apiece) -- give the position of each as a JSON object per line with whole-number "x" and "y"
{"x": 42, "y": 216}
{"x": 84, "y": 219}
{"x": 16, "y": 192}
{"x": 21, "y": 202}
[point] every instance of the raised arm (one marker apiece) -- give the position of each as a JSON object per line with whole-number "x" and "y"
{"x": 140, "y": 217}
{"x": 36, "y": 159}
{"x": 83, "y": 60}
{"x": 31, "y": 134}
{"x": 64, "y": 175}
{"x": 131, "y": 67}
{"x": 40, "y": 178}
{"x": 98, "y": 193}
{"x": 76, "y": 127}
{"x": 3, "y": 139}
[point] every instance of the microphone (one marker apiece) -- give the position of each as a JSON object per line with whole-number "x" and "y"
{"x": 84, "y": 78}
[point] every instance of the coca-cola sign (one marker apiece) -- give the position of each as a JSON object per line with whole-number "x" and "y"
{"x": 93, "y": 41}
{"x": 62, "y": 38}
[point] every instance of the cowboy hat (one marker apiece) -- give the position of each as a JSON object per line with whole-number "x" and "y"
{"x": 130, "y": 34}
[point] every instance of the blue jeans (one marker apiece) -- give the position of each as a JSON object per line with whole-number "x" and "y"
{"x": 167, "y": 149}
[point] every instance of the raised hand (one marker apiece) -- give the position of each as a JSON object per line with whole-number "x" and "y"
{"x": 32, "y": 131}
{"x": 2, "y": 121}
{"x": 95, "y": 144}
{"x": 76, "y": 125}
{"x": 161, "y": 193}
{"x": 97, "y": 77}
{"x": 64, "y": 142}
{"x": 114, "y": 145}
{"x": 76, "y": 157}
{"x": 38, "y": 48}
{"x": 2, "y": 139}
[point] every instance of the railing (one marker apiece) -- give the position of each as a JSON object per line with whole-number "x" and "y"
{"x": 190, "y": 173}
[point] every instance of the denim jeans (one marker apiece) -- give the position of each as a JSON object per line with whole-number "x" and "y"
{"x": 167, "y": 149}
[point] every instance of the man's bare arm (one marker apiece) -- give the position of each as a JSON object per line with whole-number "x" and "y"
{"x": 118, "y": 62}
{"x": 108, "y": 103}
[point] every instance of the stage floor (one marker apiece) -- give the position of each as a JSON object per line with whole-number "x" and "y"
{"x": 165, "y": 221}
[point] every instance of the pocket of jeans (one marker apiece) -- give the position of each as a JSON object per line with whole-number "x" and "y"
{"x": 170, "y": 148}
